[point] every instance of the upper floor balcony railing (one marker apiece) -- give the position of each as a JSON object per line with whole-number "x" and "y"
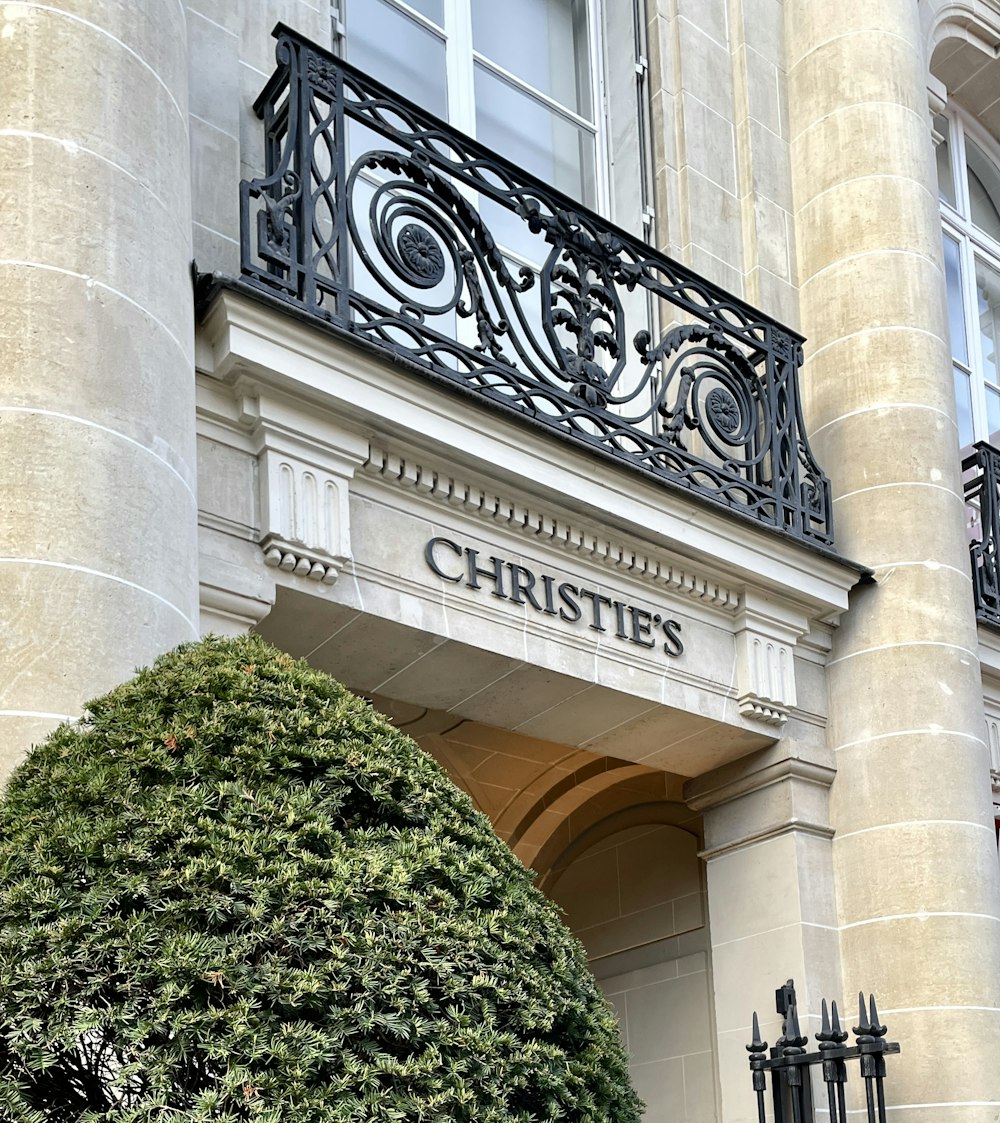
{"x": 382, "y": 223}
{"x": 982, "y": 496}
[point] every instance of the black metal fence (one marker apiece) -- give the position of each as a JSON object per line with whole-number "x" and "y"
{"x": 791, "y": 1064}
{"x": 982, "y": 494}
{"x": 382, "y": 223}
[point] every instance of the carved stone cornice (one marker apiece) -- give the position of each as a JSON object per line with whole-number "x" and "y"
{"x": 759, "y": 798}
{"x": 747, "y": 776}
{"x": 235, "y": 594}
{"x": 228, "y": 611}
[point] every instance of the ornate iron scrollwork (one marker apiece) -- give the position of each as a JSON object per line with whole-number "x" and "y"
{"x": 384, "y": 224}
{"x": 982, "y": 497}
{"x": 583, "y": 315}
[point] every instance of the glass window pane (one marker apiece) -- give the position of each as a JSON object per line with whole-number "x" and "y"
{"x": 512, "y": 233}
{"x": 963, "y": 400}
{"x": 988, "y": 297}
{"x": 992, "y": 416}
{"x": 523, "y": 130}
{"x": 398, "y": 51}
{"x": 544, "y": 42}
{"x": 432, "y": 9}
{"x": 956, "y": 314}
{"x": 984, "y": 190}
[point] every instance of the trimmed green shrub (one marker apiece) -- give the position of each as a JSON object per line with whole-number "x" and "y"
{"x": 236, "y": 892}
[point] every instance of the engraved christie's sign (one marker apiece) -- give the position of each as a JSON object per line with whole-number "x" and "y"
{"x": 551, "y": 596}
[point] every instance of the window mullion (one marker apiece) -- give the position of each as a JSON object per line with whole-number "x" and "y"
{"x": 461, "y": 75}
{"x": 599, "y": 107}
{"x": 971, "y": 302}
{"x": 958, "y": 169}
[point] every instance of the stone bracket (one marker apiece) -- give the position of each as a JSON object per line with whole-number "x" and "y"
{"x": 305, "y": 521}
{"x": 765, "y": 668}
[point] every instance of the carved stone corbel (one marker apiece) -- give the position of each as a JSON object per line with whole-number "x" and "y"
{"x": 765, "y": 668}
{"x": 305, "y": 520}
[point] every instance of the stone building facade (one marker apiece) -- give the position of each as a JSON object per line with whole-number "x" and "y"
{"x": 719, "y": 670}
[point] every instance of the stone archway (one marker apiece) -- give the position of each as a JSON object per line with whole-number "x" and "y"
{"x": 613, "y": 844}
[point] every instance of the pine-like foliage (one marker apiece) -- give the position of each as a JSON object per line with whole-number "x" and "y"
{"x": 235, "y": 893}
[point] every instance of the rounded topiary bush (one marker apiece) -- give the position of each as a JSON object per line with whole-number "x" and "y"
{"x": 235, "y": 892}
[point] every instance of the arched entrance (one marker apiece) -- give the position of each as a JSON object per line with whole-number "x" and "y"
{"x": 614, "y": 846}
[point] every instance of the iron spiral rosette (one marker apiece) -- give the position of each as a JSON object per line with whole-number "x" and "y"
{"x": 409, "y": 247}
{"x": 391, "y": 228}
{"x": 421, "y": 254}
{"x": 422, "y": 243}
{"x": 709, "y": 388}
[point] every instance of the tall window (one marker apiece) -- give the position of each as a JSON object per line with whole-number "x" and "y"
{"x": 969, "y": 187}
{"x": 522, "y": 76}
{"x": 525, "y": 78}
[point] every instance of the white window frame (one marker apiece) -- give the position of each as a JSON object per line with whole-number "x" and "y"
{"x": 461, "y": 58}
{"x": 972, "y": 243}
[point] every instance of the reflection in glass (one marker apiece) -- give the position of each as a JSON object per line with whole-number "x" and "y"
{"x": 397, "y": 50}
{"x": 511, "y": 232}
{"x": 543, "y": 42}
{"x": 988, "y": 298}
{"x": 984, "y": 190}
{"x": 946, "y": 179}
{"x": 993, "y": 416}
{"x": 956, "y": 313}
{"x": 963, "y": 400}
{"x": 534, "y": 137}
{"x": 432, "y": 9}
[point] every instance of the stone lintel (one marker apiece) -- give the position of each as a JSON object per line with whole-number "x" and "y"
{"x": 245, "y": 344}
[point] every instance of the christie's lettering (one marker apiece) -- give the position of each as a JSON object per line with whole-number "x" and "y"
{"x": 545, "y": 593}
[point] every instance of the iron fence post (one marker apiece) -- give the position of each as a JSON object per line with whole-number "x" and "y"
{"x": 790, "y": 1064}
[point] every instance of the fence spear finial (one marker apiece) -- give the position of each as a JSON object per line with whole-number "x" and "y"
{"x": 874, "y": 1028}
{"x": 825, "y": 1035}
{"x": 793, "y": 1035}
{"x": 863, "y": 1030}
{"x": 756, "y": 1045}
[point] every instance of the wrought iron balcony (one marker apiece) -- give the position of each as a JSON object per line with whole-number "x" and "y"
{"x": 981, "y": 470}
{"x": 388, "y": 227}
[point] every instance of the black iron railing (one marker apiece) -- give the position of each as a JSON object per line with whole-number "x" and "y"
{"x": 981, "y": 470}
{"x": 378, "y": 220}
{"x": 790, "y": 1063}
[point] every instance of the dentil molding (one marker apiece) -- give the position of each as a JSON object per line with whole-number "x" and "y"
{"x": 560, "y": 531}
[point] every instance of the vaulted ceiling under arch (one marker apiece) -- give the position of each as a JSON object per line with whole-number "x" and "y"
{"x": 548, "y": 801}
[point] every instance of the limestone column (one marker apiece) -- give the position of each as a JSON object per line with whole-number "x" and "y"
{"x": 98, "y": 555}
{"x": 914, "y": 852}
